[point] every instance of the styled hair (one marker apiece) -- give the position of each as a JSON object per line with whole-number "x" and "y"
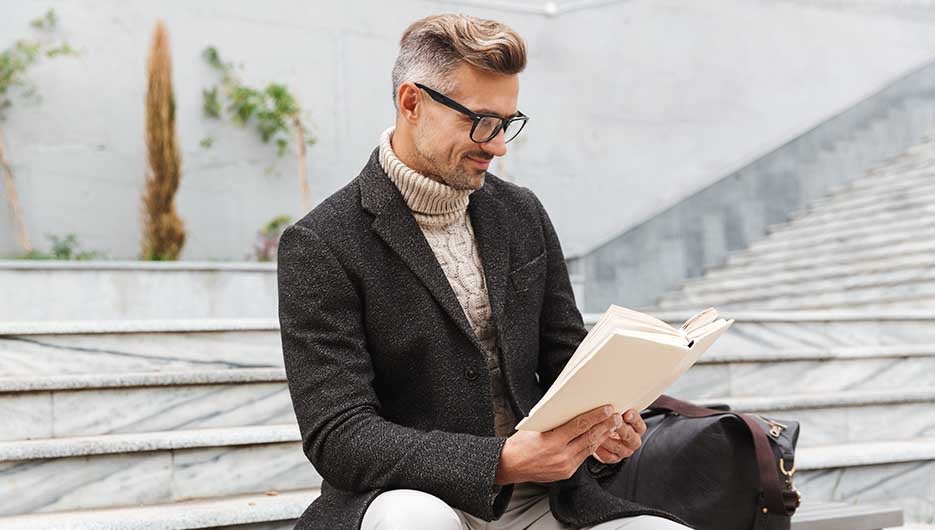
{"x": 431, "y": 48}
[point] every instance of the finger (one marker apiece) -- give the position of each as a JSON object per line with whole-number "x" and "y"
{"x": 610, "y": 424}
{"x": 596, "y": 435}
{"x": 581, "y": 451}
{"x": 614, "y": 446}
{"x": 606, "y": 456}
{"x": 634, "y": 419}
{"x": 628, "y": 436}
{"x": 584, "y": 422}
{"x": 622, "y": 448}
{"x": 597, "y": 455}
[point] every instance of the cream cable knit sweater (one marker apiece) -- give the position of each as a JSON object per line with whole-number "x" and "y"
{"x": 441, "y": 212}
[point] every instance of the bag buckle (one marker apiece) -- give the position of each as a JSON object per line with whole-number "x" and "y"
{"x": 775, "y": 428}
{"x": 788, "y": 474}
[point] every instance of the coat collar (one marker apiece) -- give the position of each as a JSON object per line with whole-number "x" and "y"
{"x": 394, "y": 223}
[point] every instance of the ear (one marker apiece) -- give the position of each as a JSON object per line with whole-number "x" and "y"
{"x": 409, "y": 99}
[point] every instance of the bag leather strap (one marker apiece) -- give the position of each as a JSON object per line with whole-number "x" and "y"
{"x": 770, "y": 486}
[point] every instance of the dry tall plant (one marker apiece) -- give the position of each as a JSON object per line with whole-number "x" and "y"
{"x": 16, "y": 212}
{"x": 163, "y": 230}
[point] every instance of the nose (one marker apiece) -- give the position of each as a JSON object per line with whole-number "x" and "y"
{"x": 496, "y": 145}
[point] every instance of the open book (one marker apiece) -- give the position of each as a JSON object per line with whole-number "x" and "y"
{"x": 628, "y": 359}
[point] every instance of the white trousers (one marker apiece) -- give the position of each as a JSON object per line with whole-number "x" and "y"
{"x": 407, "y": 509}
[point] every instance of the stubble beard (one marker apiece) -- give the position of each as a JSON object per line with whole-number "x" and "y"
{"x": 458, "y": 177}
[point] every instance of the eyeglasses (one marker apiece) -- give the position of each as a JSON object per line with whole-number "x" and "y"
{"x": 485, "y": 126}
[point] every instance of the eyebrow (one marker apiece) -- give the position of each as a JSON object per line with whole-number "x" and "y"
{"x": 491, "y": 111}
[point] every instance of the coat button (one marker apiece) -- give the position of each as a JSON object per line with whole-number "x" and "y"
{"x": 471, "y": 374}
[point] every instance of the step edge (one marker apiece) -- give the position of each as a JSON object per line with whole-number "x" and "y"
{"x": 66, "y": 447}
{"x": 98, "y": 381}
{"x": 154, "y": 325}
{"x": 134, "y": 265}
{"x": 202, "y": 512}
{"x": 868, "y": 454}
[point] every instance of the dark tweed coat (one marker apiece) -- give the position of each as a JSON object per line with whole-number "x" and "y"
{"x": 387, "y": 378}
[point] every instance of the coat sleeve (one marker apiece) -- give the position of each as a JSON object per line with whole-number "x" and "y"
{"x": 330, "y": 374}
{"x": 561, "y": 326}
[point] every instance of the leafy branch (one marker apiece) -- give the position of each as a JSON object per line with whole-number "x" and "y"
{"x": 273, "y": 110}
{"x": 66, "y": 248}
{"x": 14, "y": 63}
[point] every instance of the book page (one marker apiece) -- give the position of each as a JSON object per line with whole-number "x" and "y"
{"x": 701, "y": 345}
{"x": 574, "y": 364}
{"x": 625, "y": 368}
{"x": 617, "y": 319}
{"x": 629, "y": 370}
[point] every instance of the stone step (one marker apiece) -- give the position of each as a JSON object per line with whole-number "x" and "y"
{"x": 884, "y": 180}
{"x": 911, "y": 194}
{"x": 887, "y": 473}
{"x": 877, "y": 256}
{"x": 900, "y": 473}
{"x": 850, "y": 416}
{"x": 798, "y": 276}
{"x": 910, "y": 218}
{"x": 93, "y": 347}
{"x": 851, "y": 247}
{"x": 114, "y": 347}
{"x": 914, "y": 294}
{"x": 841, "y": 226}
{"x": 766, "y": 332}
{"x": 847, "y": 202}
{"x": 725, "y": 374}
{"x": 52, "y": 475}
{"x": 42, "y": 290}
{"x": 276, "y": 510}
{"x": 899, "y": 171}
{"x": 859, "y": 288}
{"x": 42, "y": 349}
{"x": 841, "y": 515}
{"x": 121, "y": 403}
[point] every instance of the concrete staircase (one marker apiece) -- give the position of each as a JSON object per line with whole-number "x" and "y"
{"x": 844, "y": 294}
{"x": 148, "y": 424}
{"x": 868, "y": 245}
{"x": 188, "y": 424}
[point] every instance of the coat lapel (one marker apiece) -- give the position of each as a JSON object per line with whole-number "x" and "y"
{"x": 394, "y": 223}
{"x": 488, "y": 220}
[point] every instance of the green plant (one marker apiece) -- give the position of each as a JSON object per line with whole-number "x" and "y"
{"x": 64, "y": 249}
{"x": 268, "y": 238}
{"x": 273, "y": 110}
{"x": 14, "y": 62}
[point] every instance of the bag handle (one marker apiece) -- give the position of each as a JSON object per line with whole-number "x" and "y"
{"x": 769, "y": 479}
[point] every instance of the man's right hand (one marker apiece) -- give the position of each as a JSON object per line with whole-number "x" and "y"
{"x": 555, "y": 455}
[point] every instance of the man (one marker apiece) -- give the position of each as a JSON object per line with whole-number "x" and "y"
{"x": 426, "y": 306}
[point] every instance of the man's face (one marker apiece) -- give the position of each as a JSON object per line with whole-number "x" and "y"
{"x": 442, "y": 135}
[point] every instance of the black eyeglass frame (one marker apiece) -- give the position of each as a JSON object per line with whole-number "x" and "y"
{"x": 476, "y": 117}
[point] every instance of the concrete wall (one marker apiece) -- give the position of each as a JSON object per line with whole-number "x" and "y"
{"x": 635, "y": 104}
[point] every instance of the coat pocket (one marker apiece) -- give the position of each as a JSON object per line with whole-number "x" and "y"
{"x": 526, "y": 275}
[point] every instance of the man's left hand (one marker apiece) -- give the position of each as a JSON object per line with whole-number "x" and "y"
{"x": 624, "y": 441}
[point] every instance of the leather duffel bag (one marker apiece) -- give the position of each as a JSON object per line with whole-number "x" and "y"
{"x": 714, "y": 468}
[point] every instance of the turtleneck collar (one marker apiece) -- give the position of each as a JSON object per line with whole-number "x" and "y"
{"x": 431, "y": 202}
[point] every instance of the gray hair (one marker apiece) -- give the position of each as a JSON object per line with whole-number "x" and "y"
{"x": 433, "y": 47}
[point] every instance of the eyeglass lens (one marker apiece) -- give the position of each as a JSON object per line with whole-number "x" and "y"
{"x": 487, "y": 128}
